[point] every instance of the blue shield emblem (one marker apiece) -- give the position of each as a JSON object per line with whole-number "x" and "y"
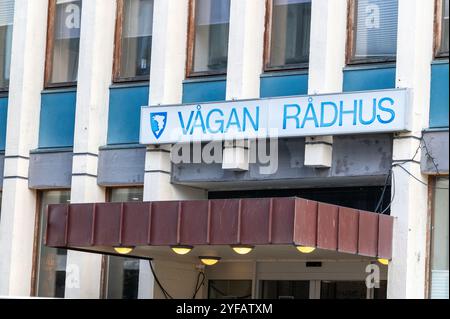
{"x": 158, "y": 123}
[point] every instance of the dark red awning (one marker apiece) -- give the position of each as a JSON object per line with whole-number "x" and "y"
{"x": 267, "y": 221}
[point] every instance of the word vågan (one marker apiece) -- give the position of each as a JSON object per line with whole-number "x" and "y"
{"x": 294, "y": 116}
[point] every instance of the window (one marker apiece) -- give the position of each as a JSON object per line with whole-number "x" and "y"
{"x": 372, "y": 31}
{"x": 63, "y": 42}
{"x": 133, "y": 40}
{"x": 273, "y": 289}
{"x": 229, "y": 289}
{"x": 381, "y": 292}
{"x": 209, "y": 26}
{"x": 442, "y": 35}
{"x": 323, "y": 289}
{"x": 440, "y": 241}
{"x": 287, "y": 34}
{"x": 51, "y": 270}
{"x": 123, "y": 273}
{"x": 6, "y": 29}
{"x": 343, "y": 290}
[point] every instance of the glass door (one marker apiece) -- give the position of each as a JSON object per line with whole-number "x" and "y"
{"x": 320, "y": 289}
{"x": 285, "y": 289}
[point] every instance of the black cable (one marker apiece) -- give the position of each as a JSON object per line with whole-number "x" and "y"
{"x": 415, "y": 154}
{"x": 410, "y": 174}
{"x": 158, "y": 282}
{"x": 380, "y": 201}
{"x": 427, "y": 153}
{"x": 166, "y": 294}
{"x": 393, "y": 185}
{"x": 393, "y": 194}
{"x": 418, "y": 148}
{"x": 199, "y": 284}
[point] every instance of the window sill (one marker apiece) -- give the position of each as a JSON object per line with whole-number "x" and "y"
{"x": 59, "y": 90}
{"x": 60, "y": 85}
{"x": 435, "y": 129}
{"x": 52, "y": 150}
{"x": 206, "y": 78}
{"x": 285, "y": 72}
{"x": 370, "y": 66}
{"x": 129, "y": 84}
{"x": 440, "y": 60}
{"x": 121, "y": 146}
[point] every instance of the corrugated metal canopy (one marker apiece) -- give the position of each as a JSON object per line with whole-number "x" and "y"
{"x": 267, "y": 221}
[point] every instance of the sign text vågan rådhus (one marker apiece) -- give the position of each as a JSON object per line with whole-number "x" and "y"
{"x": 334, "y": 114}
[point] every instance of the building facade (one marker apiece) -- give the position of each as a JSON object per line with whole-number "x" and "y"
{"x": 74, "y": 76}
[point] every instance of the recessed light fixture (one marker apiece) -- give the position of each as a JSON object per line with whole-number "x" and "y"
{"x": 209, "y": 260}
{"x": 242, "y": 249}
{"x": 123, "y": 250}
{"x": 182, "y": 249}
{"x": 305, "y": 249}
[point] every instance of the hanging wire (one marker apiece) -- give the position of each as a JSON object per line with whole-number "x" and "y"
{"x": 164, "y": 291}
{"x": 386, "y": 183}
{"x": 199, "y": 283}
{"x": 423, "y": 145}
{"x": 412, "y": 175}
{"x": 393, "y": 193}
{"x": 427, "y": 153}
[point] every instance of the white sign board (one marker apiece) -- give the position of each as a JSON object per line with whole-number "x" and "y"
{"x": 333, "y": 114}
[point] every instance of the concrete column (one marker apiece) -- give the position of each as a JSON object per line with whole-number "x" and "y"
{"x": 326, "y": 61}
{"x": 245, "y": 62}
{"x": 19, "y": 202}
{"x": 91, "y": 120}
{"x": 406, "y": 277}
{"x": 166, "y": 87}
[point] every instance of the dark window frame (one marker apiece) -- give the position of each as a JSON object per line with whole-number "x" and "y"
{"x": 429, "y": 234}
{"x": 267, "y": 46}
{"x": 351, "y": 40}
{"x": 4, "y": 91}
{"x": 34, "y": 284}
{"x": 48, "y": 84}
{"x": 36, "y": 249}
{"x": 438, "y": 17}
{"x": 117, "y": 78}
{"x": 190, "y": 73}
